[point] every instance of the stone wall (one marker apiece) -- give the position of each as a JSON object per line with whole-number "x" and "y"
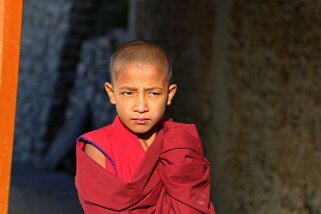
{"x": 274, "y": 100}
{"x": 52, "y": 38}
{"x": 80, "y": 23}
{"x": 92, "y": 73}
{"x": 43, "y": 38}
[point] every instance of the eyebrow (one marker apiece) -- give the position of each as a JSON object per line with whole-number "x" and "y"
{"x": 153, "y": 89}
{"x": 135, "y": 89}
{"x": 128, "y": 88}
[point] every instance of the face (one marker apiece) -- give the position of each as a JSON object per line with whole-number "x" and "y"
{"x": 141, "y": 92}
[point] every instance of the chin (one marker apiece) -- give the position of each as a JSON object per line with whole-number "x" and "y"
{"x": 142, "y": 130}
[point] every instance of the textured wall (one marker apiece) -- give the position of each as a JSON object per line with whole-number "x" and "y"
{"x": 92, "y": 73}
{"x": 53, "y": 34}
{"x": 45, "y": 26}
{"x": 275, "y": 115}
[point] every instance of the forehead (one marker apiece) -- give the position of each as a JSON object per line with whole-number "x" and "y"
{"x": 141, "y": 72}
{"x": 137, "y": 69}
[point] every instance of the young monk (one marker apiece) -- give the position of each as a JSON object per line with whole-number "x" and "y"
{"x": 142, "y": 162}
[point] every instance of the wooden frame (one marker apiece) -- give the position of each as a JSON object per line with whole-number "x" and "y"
{"x": 10, "y": 34}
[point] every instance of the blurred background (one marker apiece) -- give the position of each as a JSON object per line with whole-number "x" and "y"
{"x": 248, "y": 73}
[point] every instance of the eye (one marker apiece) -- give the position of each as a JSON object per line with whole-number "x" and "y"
{"x": 127, "y": 93}
{"x": 154, "y": 93}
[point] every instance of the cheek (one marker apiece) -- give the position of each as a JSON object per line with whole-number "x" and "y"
{"x": 160, "y": 107}
{"x": 122, "y": 106}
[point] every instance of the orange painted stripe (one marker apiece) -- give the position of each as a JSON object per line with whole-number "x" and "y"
{"x": 10, "y": 33}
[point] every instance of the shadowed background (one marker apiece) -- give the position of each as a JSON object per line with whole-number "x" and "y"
{"x": 248, "y": 74}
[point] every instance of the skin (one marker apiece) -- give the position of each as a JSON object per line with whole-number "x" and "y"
{"x": 140, "y": 93}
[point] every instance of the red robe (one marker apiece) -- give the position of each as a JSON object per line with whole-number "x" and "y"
{"x": 172, "y": 176}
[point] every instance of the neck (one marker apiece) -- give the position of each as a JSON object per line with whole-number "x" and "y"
{"x": 146, "y": 140}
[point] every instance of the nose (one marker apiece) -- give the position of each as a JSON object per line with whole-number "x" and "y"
{"x": 140, "y": 105}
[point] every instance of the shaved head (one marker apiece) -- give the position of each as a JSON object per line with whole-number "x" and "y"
{"x": 142, "y": 52}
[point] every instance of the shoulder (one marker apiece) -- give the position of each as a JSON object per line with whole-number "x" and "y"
{"x": 100, "y": 138}
{"x": 95, "y": 144}
{"x": 95, "y": 154}
{"x": 98, "y": 134}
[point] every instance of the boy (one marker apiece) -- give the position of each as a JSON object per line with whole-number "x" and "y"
{"x": 142, "y": 163}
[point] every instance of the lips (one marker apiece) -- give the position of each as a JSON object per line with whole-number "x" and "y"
{"x": 141, "y": 121}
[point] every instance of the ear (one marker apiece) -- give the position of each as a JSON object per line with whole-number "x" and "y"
{"x": 171, "y": 92}
{"x": 110, "y": 91}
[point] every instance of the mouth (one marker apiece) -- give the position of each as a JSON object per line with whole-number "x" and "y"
{"x": 140, "y": 121}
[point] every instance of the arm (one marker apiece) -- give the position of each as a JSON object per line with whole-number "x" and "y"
{"x": 95, "y": 154}
{"x": 185, "y": 176}
{"x": 184, "y": 171}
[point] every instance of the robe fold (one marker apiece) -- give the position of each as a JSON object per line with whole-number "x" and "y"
{"x": 172, "y": 176}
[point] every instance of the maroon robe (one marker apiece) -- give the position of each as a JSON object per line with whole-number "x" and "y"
{"x": 172, "y": 176}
